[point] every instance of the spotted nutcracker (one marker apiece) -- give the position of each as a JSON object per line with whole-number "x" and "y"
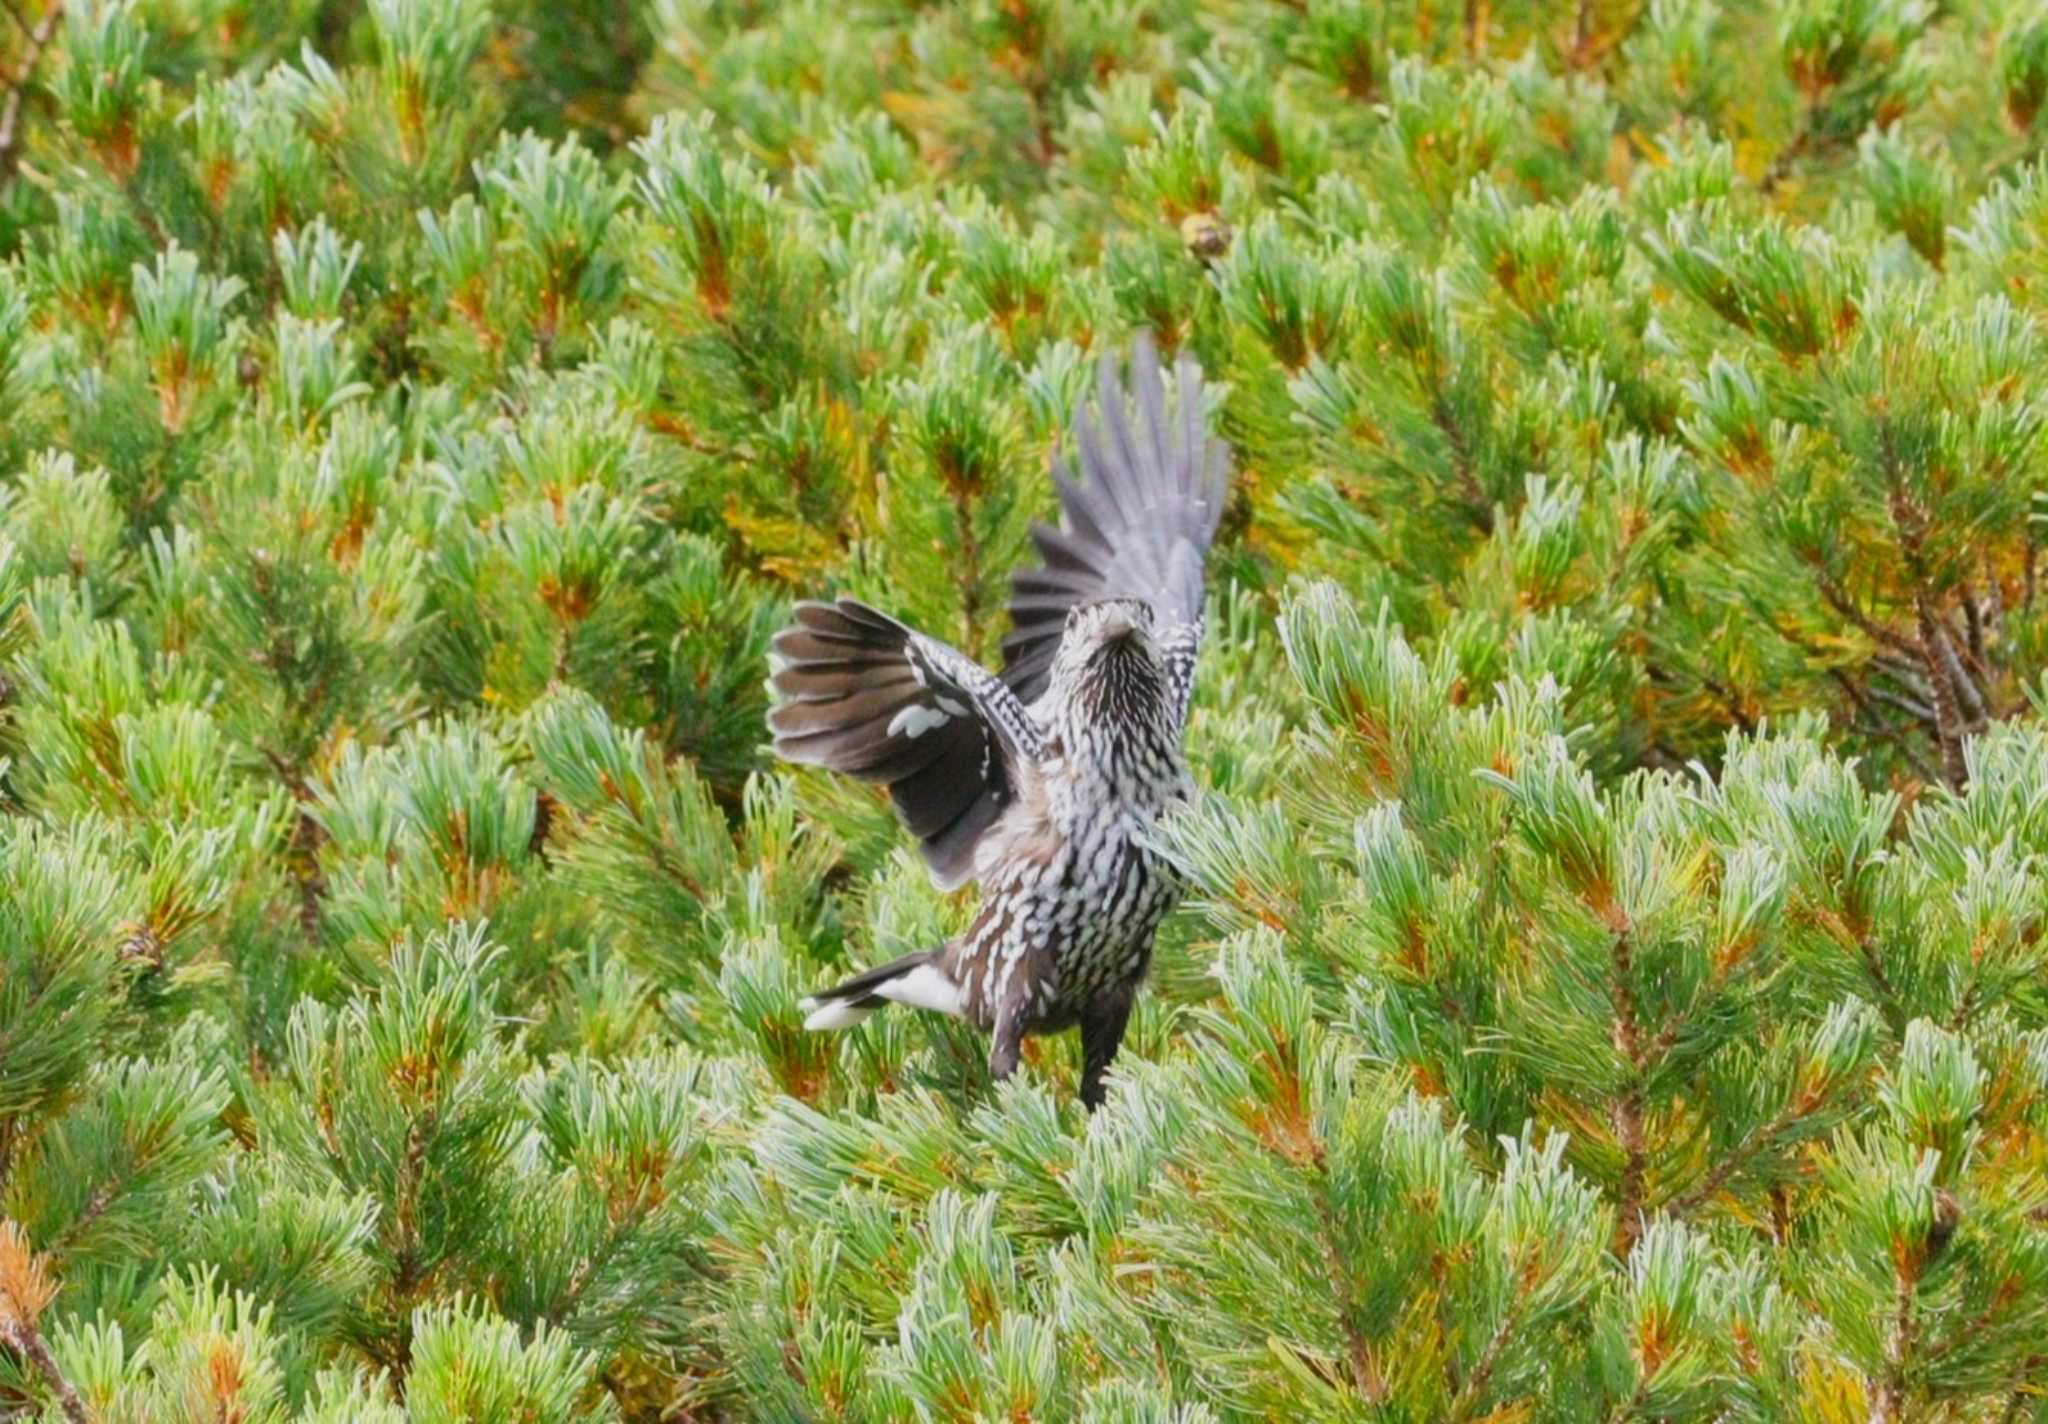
{"x": 1039, "y": 783}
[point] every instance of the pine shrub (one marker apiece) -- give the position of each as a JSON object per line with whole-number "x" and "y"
{"x": 1613, "y": 984}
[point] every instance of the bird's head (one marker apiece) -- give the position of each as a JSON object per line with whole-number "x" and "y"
{"x": 1107, "y": 647}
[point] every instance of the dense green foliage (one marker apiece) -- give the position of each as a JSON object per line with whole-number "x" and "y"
{"x": 1614, "y": 984}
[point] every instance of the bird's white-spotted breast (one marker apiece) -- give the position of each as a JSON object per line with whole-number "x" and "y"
{"x": 1078, "y": 893}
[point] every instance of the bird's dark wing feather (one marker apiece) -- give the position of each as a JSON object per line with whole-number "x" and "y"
{"x": 850, "y": 697}
{"x": 1136, "y": 524}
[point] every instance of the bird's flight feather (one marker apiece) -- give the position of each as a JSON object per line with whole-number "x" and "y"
{"x": 1136, "y": 523}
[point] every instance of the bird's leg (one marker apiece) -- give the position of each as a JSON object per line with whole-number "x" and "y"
{"x": 1008, "y": 1044}
{"x": 1102, "y": 1033}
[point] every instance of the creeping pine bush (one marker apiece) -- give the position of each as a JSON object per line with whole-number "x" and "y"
{"x": 1613, "y": 982}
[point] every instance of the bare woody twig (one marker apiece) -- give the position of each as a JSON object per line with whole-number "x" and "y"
{"x": 1949, "y": 714}
{"x": 39, "y": 36}
{"x": 1963, "y": 678}
{"x": 1837, "y": 598}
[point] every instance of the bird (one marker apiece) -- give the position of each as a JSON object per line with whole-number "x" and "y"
{"x": 1041, "y": 782}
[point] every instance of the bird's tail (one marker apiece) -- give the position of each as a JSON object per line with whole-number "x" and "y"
{"x": 918, "y": 980}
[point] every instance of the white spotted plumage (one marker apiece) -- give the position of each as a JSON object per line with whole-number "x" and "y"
{"x": 1044, "y": 782}
{"x": 1072, "y": 891}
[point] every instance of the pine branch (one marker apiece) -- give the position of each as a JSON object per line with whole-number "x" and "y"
{"x": 1473, "y": 1392}
{"x": 1857, "y": 941}
{"x": 1836, "y": 598}
{"x": 1907, "y": 674}
{"x": 1627, "y": 1108}
{"x": 1948, "y": 717}
{"x": 586, "y": 1269}
{"x": 406, "y": 1280}
{"x": 307, "y": 838}
{"x": 1889, "y": 1405}
{"x": 25, "y": 1290}
{"x": 1961, "y": 678}
{"x": 1475, "y": 29}
{"x": 1366, "y": 1375}
{"x": 1365, "y": 1370}
{"x": 1590, "y": 46}
{"x": 1477, "y": 507}
{"x": 1758, "y": 1140}
{"x": 1864, "y": 698}
{"x": 1627, "y": 1408}
{"x": 103, "y": 1197}
{"x": 1972, "y": 1331}
{"x": 1793, "y": 150}
{"x": 1973, "y": 620}
{"x": 1730, "y": 703}
{"x": 1918, "y": 711}
{"x": 26, "y": 1340}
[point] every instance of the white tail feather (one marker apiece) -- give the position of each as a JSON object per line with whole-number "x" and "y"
{"x": 821, "y": 1015}
{"x": 923, "y": 986}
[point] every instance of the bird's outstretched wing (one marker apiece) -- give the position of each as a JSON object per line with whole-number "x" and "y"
{"x": 860, "y": 693}
{"x": 1136, "y": 524}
